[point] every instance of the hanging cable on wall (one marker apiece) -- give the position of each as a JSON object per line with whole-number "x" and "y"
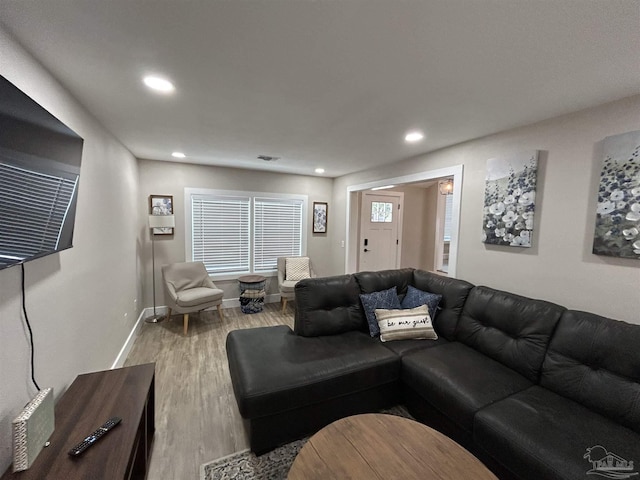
{"x": 26, "y": 318}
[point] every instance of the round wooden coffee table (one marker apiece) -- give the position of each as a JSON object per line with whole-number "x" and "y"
{"x": 384, "y": 446}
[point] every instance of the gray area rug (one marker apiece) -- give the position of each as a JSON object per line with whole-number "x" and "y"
{"x": 274, "y": 465}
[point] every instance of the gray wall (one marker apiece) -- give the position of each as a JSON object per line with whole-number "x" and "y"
{"x": 559, "y": 267}
{"x": 77, "y": 299}
{"x": 171, "y": 178}
{"x": 418, "y": 227}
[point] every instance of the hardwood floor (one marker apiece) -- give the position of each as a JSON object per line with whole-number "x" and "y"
{"x": 197, "y": 419}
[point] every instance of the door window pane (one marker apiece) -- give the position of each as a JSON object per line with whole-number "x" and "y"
{"x": 381, "y": 212}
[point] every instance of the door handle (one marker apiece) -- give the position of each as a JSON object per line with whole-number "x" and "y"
{"x": 366, "y": 249}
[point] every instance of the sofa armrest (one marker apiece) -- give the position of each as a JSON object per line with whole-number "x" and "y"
{"x": 328, "y": 306}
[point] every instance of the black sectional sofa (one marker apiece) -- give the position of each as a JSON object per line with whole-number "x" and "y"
{"x": 526, "y": 385}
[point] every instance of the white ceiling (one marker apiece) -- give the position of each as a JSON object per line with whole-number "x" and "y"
{"x": 328, "y": 83}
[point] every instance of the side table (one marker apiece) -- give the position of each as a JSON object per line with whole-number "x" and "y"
{"x": 251, "y": 293}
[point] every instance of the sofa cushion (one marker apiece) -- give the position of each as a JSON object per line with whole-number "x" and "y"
{"x": 459, "y": 380}
{"x": 385, "y": 279}
{"x": 198, "y": 296}
{"x": 328, "y": 306}
{"x": 539, "y": 434}
{"x": 511, "y": 329}
{"x": 594, "y": 360}
{"x": 405, "y": 324}
{"x": 403, "y": 347}
{"x": 288, "y": 286}
{"x": 416, "y": 297}
{"x": 273, "y": 370}
{"x": 454, "y": 293}
{"x": 386, "y": 299}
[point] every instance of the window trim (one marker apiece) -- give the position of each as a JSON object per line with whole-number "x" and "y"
{"x": 188, "y": 224}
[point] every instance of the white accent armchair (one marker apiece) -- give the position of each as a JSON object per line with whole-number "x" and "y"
{"x": 189, "y": 289}
{"x": 299, "y": 268}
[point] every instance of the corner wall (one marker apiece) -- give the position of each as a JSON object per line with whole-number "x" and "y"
{"x": 81, "y": 301}
{"x": 559, "y": 267}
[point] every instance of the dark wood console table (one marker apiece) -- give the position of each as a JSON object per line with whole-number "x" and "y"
{"x": 93, "y": 398}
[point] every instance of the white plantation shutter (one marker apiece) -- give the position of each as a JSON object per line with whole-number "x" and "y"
{"x": 220, "y": 233}
{"x": 235, "y": 232}
{"x": 34, "y": 206}
{"x": 277, "y": 231}
{"x": 448, "y": 210}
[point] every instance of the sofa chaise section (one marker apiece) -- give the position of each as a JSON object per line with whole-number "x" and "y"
{"x": 288, "y": 386}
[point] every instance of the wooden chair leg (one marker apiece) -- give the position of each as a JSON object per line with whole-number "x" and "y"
{"x": 185, "y": 322}
{"x": 284, "y": 304}
{"x": 169, "y": 314}
{"x": 220, "y": 312}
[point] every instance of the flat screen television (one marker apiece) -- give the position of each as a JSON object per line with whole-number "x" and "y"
{"x": 39, "y": 176}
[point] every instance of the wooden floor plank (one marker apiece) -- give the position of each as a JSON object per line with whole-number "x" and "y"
{"x": 197, "y": 418}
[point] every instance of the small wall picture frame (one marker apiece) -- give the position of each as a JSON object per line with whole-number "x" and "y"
{"x": 161, "y": 205}
{"x": 320, "y": 215}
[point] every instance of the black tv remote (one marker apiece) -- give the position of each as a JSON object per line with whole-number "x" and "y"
{"x": 93, "y": 438}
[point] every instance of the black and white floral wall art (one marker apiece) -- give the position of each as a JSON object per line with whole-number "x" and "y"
{"x": 509, "y": 200}
{"x": 320, "y": 216}
{"x": 617, "y": 231}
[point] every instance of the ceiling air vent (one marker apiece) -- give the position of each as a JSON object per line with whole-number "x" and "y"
{"x": 267, "y": 158}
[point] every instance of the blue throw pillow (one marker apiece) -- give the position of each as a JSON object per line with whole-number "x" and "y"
{"x": 414, "y": 298}
{"x": 387, "y": 299}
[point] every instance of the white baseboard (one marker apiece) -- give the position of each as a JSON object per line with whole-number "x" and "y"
{"x": 126, "y": 348}
{"x": 162, "y": 310}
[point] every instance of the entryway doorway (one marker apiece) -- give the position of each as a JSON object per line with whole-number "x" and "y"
{"x": 418, "y": 190}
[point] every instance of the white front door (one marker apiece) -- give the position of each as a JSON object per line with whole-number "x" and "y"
{"x": 380, "y": 218}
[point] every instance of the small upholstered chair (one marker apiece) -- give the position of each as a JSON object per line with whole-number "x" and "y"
{"x": 189, "y": 289}
{"x": 290, "y": 271}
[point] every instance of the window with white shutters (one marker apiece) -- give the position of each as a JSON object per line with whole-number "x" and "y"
{"x": 277, "y": 231}
{"x": 235, "y": 233}
{"x": 220, "y": 233}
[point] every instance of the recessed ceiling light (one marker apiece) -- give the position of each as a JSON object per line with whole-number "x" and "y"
{"x": 178, "y": 155}
{"x": 413, "y": 137}
{"x": 158, "y": 84}
{"x": 319, "y": 170}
